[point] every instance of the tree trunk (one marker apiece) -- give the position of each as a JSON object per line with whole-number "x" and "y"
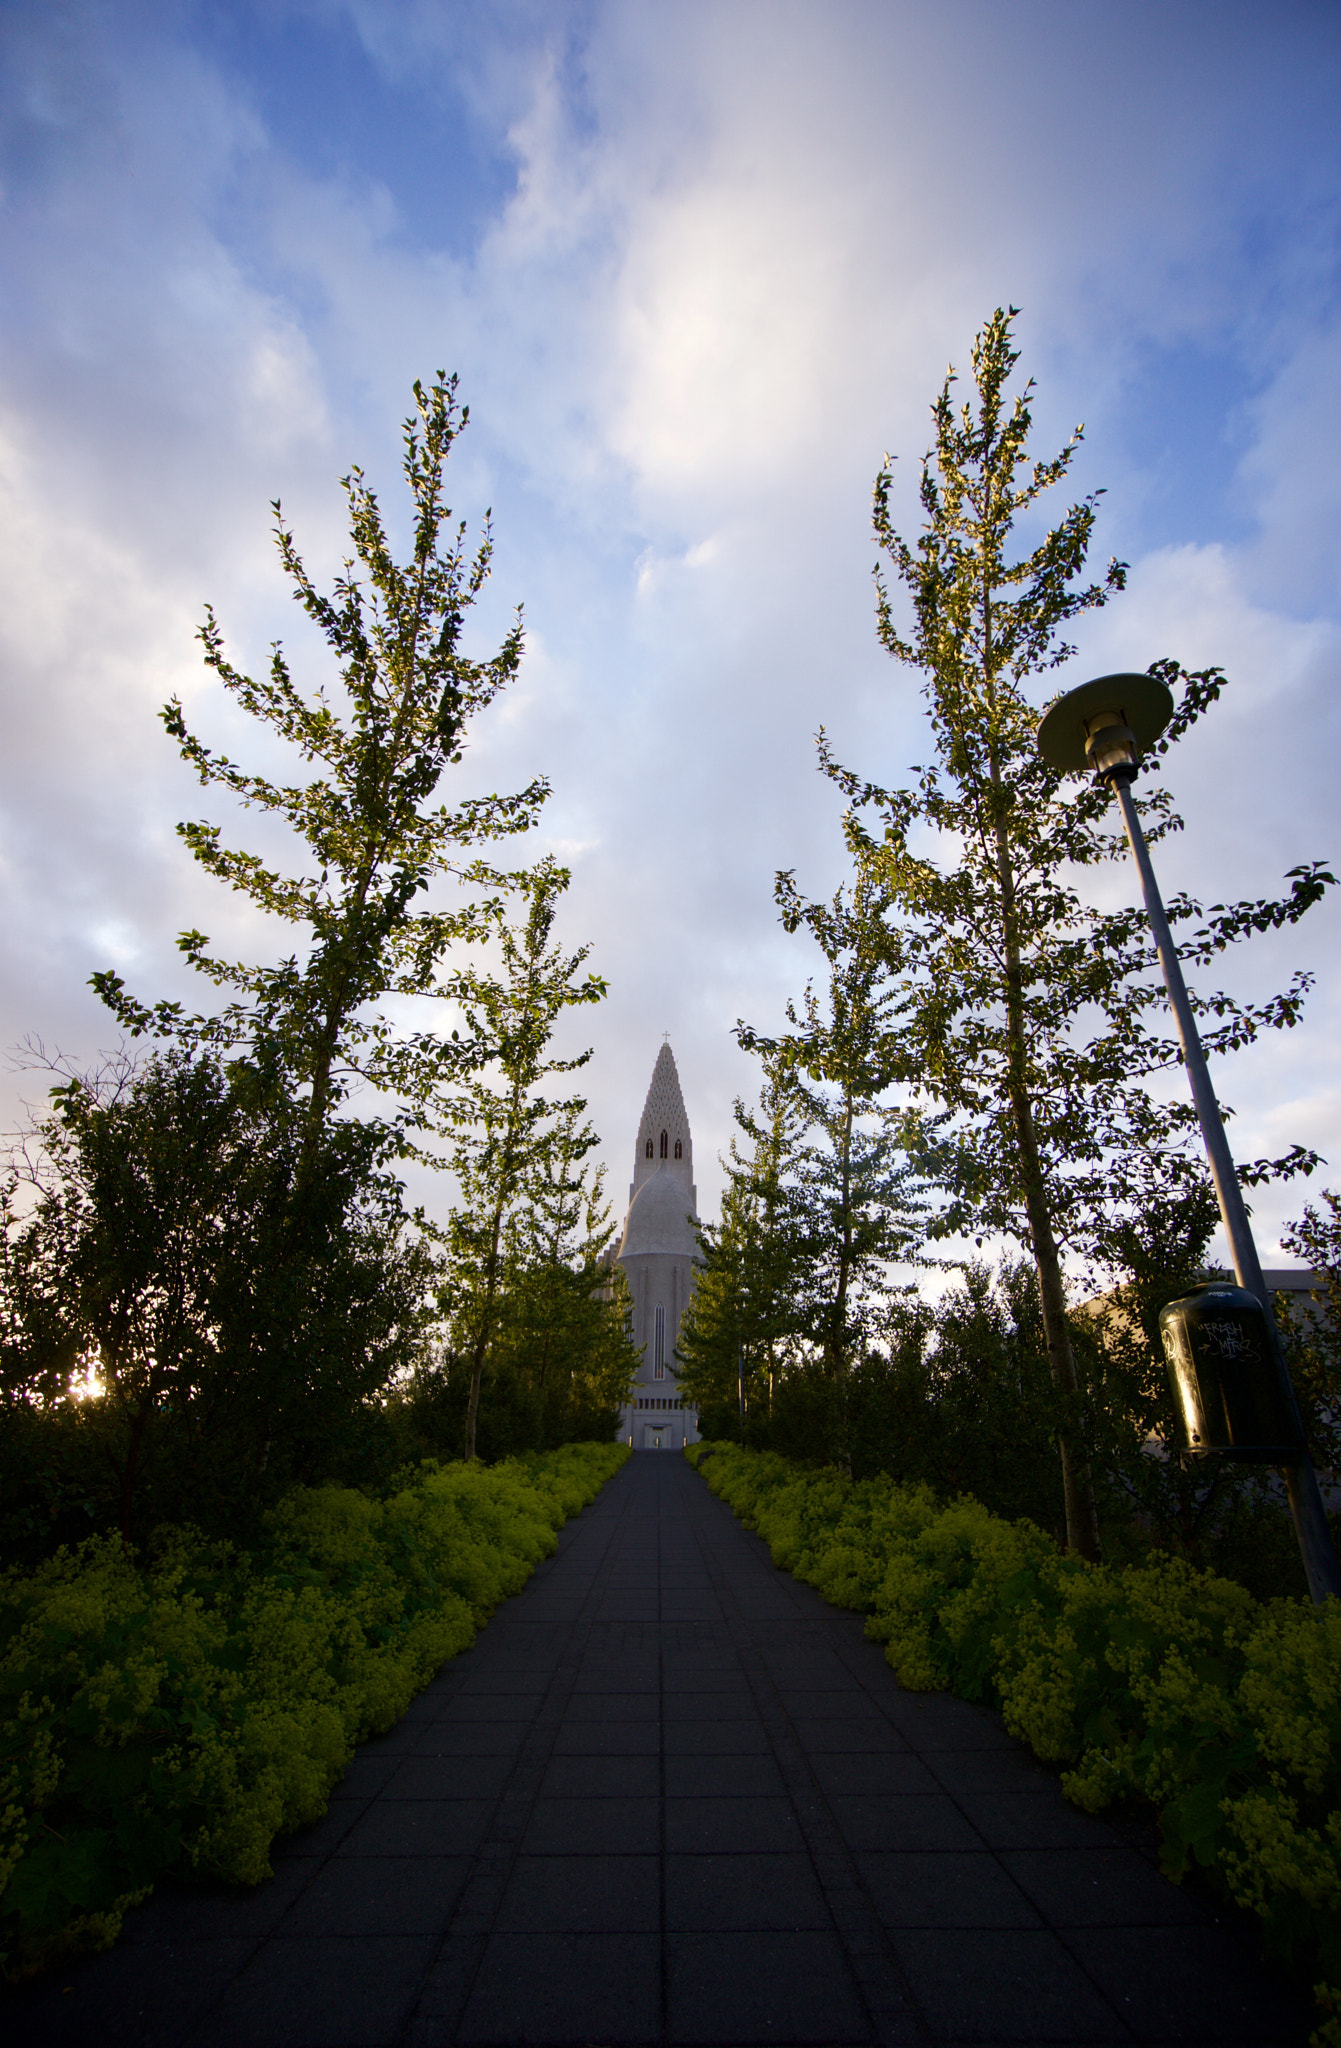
{"x": 478, "y": 1356}
{"x": 473, "y": 1409}
{"x": 838, "y": 1318}
{"x": 481, "y": 1347}
{"x": 314, "y": 1123}
{"x": 340, "y": 1002}
{"x": 130, "y": 1470}
{"x": 1082, "y": 1517}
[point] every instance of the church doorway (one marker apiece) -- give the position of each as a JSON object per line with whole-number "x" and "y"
{"x": 656, "y": 1435}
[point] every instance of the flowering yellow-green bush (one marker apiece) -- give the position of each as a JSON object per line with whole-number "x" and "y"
{"x": 179, "y": 1711}
{"x": 1152, "y": 1682}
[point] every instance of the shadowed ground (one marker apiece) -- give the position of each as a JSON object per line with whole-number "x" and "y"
{"x": 671, "y": 1796}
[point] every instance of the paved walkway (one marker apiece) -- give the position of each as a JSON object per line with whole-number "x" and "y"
{"x": 670, "y": 1796}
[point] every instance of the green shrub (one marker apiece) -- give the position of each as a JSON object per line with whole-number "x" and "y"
{"x": 174, "y": 1713}
{"x": 1152, "y": 1682}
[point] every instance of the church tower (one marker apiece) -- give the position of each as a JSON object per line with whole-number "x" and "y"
{"x": 658, "y": 1253}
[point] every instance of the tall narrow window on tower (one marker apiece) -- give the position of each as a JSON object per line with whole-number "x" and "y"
{"x": 649, "y": 1148}
{"x": 659, "y": 1346}
{"x": 663, "y": 1144}
{"x": 679, "y": 1149}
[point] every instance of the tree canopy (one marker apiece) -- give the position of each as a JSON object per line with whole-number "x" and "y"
{"x": 380, "y": 744}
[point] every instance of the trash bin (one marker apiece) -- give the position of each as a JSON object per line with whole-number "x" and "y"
{"x": 1226, "y": 1384}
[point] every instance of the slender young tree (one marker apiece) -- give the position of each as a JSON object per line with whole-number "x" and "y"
{"x": 1030, "y": 1022}
{"x": 562, "y": 1322}
{"x": 742, "y": 1322}
{"x": 380, "y": 743}
{"x": 851, "y": 1193}
{"x": 500, "y": 1125}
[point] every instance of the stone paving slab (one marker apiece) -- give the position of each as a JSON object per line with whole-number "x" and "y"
{"x": 671, "y": 1797}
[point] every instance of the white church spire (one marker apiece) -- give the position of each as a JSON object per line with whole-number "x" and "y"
{"x": 663, "y": 1134}
{"x": 659, "y": 1254}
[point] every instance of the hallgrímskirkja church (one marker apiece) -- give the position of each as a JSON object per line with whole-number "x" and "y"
{"x": 658, "y": 1252}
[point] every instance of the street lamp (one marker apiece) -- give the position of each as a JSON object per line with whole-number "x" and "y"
{"x": 1102, "y": 728}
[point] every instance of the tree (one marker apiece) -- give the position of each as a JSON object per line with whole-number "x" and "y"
{"x": 564, "y": 1311}
{"x": 741, "y": 1325}
{"x": 232, "y": 1354}
{"x": 1314, "y": 1334}
{"x": 1028, "y": 1021}
{"x": 848, "y": 1205}
{"x": 501, "y": 1127}
{"x": 377, "y": 843}
{"x": 961, "y": 1396}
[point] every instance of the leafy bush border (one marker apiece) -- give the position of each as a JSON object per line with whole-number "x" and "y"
{"x": 1152, "y": 1682}
{"x": 175, "y": 1713}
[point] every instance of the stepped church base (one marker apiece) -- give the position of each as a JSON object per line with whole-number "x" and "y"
{"x": 654, "y": 1424}
{"x": 659, "y": 1254}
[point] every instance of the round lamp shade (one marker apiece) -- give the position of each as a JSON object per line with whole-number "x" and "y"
{"x": 1142, "y": 703}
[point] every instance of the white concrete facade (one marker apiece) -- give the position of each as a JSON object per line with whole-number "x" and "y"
{"x": 658, "y": 1252}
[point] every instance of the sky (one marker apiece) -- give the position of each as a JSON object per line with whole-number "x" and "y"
{"x": 698, "y": 267}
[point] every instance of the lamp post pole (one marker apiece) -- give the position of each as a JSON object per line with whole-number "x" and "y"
{"x": 1113, "y": 717}
{"x": 1301, "y": 1481}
